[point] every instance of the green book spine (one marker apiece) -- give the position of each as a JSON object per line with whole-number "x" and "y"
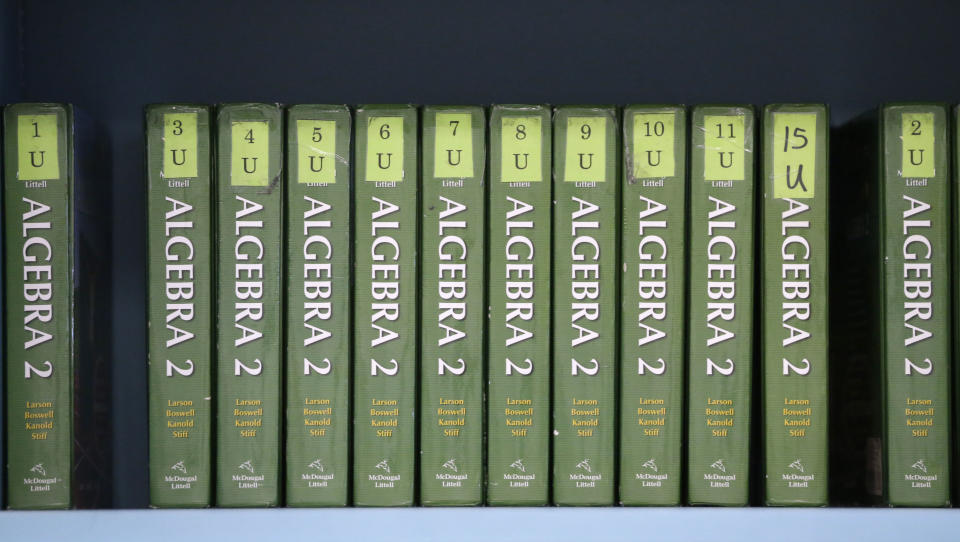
{"x": 452, "y": 315}
{"x": 955, "y": 245}
{"x": 249, "y": 269}
{"x": 652, "y": 304}
{"x": 721, "y": 244}
{"x": 518, "y": 424}
{"x": 3, "y": 330}
{"x": 39, "y": 199}
{"x": 385, "y": 305}
{"x": 915, "y": 252}
{"x": 318, "y": 305}
{"x": 179, "y": 304}
{"x": 586, "y": 159}
{"x": 794, "y": 314}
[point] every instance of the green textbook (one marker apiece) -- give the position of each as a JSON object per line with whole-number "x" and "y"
{"x": 955, "y": 245}
{"x": 452, "y": 316}
{"x": 249, "y": 205}
{"x": 586, "y": 166}
{"x": 720, "y": 306}
{"x": 914, "y": 217}
{"x": 385, "y": 304}
{"x": 180, "y": 330}
{"x": 652, "y": 303}
{"x": 518, "y": 297}
{"x": 57, "y": 369}
{"x": 3, "y": 425}
{"x": 794, "y": 303}
{"x": 317, "y": 314}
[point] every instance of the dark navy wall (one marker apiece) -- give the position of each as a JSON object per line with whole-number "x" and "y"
{"x": 10, "y": 75}
{"x": 112, "y": 57}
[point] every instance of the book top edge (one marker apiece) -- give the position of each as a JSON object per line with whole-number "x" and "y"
{"x": 41, "y": 106}
{"x": 729, "y": 107}
{"x": 454, "y": 107}
{"x": 816, "y": 106}
{"x": 177, "y": 105}
{"x": 894, "y": 105}
{"x": 381, "y": 107}
{"x": 654, "y": 107}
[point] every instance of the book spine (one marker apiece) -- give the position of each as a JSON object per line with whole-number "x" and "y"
{"x": 721, "y": 244}
{"x": 318, "y": 305}
{"x": 385, "y": 305}
{"x": 518, "y": 426}
{"x": 915, "y": 213}
{"x": 652, "y": 304}
{"x": 3, "y": 392}
{"x": 452, "y": 315}
{"x": 249, "y": 269}
{"x": 794, "y": 314}
{"x": 3, "y": 330}
{"x": 179, "y": 304}
{"x": 586, "y": 142}
{"x": 955, "y": 292}
{"x": 38, "y": 193}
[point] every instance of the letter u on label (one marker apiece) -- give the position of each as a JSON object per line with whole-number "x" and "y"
{"x": 798, "y": 181}
{"x": 723, "y": 163}
{"x": 183, "y": 156}
{"x": 450, "y": 157}
{"x": 516, "y": 160}
{"x": 589, "y": 160}
{"x": 650, "y": 158}
{"x": 914, "y": 159}
{"x": 33, "y": 159}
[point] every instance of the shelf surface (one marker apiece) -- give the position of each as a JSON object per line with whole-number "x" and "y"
{"x": 487, "y": 524}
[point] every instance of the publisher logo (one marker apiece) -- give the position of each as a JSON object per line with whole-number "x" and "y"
{"x": 718, "y": 465}
{"x": 583, "y": 475}
{"x": 248, "y": 481}
{"x": 518, "y": 465}
{"x": 317, "y": 475}
{"x": 796, "y": 465}
{"x": 39, "y": 481}
{"x": 650, "y": 475}
{"x": 921, "y": 477}
{"x": 385, "y": 478}
{"x": 451, "y": 464}
{"x": 180, "y": 479}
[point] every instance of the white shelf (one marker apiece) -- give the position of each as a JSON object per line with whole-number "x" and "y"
{"x": 487, "y": 525}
